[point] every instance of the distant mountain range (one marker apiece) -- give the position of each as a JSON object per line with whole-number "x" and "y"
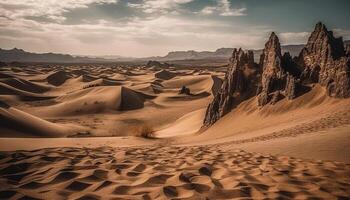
{"x": 294, "y": 50}
{"x": 19, "y": 55}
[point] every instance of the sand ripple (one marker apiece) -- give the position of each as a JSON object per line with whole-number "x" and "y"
{"x": 167, "y": 172}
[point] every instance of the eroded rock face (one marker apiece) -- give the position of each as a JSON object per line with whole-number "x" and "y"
{"x": 278, "y": 73}
{"x": 292, "y": 87}
{"x": 347, "y": 49}
{"x": 326, "y": 62}
{"x": 240, "y": 83}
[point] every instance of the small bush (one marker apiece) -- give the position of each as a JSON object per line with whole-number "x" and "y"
{"x": 146, "y": 131}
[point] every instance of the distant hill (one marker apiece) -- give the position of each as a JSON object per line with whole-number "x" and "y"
{"x": 221, "y": 53}
{"x": 19, "y": 55}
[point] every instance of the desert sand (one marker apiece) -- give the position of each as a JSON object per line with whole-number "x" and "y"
{"x": 73, "y": 132}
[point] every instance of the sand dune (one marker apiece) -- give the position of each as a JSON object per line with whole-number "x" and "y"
{"x": 16, "y": 123}
{"x": 164, "y": 74}
{"x": 188, "y": 124}
{"x": 295, "y": 141}
{"x": 95, "y": 100}
{"x": 124, "y": 99}
{"x": 25, "y": 85}
{"x": 196, "y": 84}
{"x": 23, "y": 95}
{"x": 5, "y": 75}
{"x": 57, "y": 78}
{"x": 88, "y": 78}
{"x": 311, "y": 113}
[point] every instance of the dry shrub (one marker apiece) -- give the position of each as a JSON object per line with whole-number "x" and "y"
{"x": 146, "y": 131}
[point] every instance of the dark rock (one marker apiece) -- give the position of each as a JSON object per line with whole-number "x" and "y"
{"x": 273, "y": 75}
{"x": 153, "y": 63}
{"x": 326, "y": 62}
{"x": 263, "y": 98}
{"x": 292, "y": 87}
{"x": 164, "y": 74}
{"x": 290, "y": 65}
{"x": 310, "y": 75}
{"x": 276, "y": 96}
{"x": 323, "y": 60}
{"x": 240, "y": 83}
{"x": 279, "y": 76}
{"x": 185, "y": 90}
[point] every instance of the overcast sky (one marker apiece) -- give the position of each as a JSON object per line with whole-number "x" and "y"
{"x": 154, "y": 27}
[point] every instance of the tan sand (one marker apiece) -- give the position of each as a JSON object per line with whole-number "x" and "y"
{"x": 195, "y": 172}
{"x": 291, "y": 150}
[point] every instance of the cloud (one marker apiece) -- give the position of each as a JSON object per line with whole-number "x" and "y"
{"x": 153, "y": 31}
{"x": 223, "y": 8}
{"x": 209, "y": 10}
{"x": 138, "y": 36}
{"x": 342, "y": 33}
{"x": 294, "y": 37}
{"x": 51, "y": 9}
{"x": 159, "y": 6}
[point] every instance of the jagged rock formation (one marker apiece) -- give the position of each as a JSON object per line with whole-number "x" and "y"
{"x": 240, "y": 83}
{"x": 324, "y": 60}
{"x": 278, "y": 73}
{"x": 347, "y": 50}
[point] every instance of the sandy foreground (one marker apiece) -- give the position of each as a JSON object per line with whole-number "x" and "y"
{"x": 68, "y": 133}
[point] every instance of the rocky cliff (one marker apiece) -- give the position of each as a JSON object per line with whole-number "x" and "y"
{"x": 324, "y": 60}
{"x": 279, "y": 73}
{"x": 240, "y": 83}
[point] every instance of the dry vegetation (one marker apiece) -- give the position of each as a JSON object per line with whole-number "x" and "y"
{"x": 146, "y": 131}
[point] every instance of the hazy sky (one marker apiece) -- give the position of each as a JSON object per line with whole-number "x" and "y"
{"x": 155, "y": 27}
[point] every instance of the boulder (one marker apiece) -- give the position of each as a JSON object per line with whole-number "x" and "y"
{"x": 185, "y": 90}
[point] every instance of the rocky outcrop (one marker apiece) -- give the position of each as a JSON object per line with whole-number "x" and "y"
{"x": 240, "y": 83}
{"x": 325, "y": 61}
{"x": 156, "y": 64}
{"x": 347, "y": 49}
{"x": 292, "y": 87}
{"x": 278, "y": 73}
